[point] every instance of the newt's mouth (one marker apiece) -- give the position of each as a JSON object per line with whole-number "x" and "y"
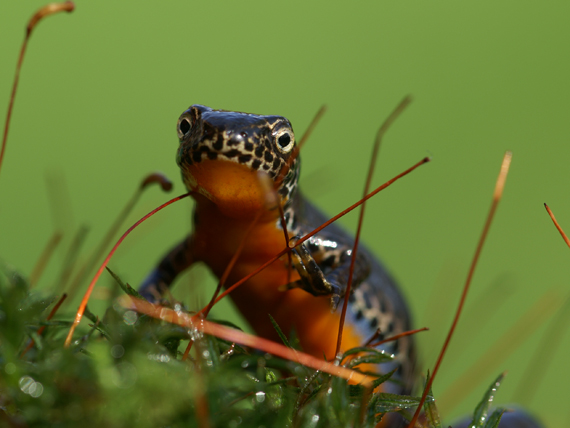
{"x": 235, "y": 189}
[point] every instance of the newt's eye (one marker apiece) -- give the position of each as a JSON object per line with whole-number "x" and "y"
{"x": 285, "y": 140}
{"x": 184, "y": 127}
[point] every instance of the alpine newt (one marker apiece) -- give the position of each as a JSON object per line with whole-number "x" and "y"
{"x": 220, "y": 156}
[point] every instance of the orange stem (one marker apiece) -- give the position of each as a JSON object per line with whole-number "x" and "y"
{"x": 557, "y": 225}
{"x": 499, "y": 186}
{"x": 398, "y": 336}
{"x": 318, "y": 229}
{"x": 204, "y": 312}
{"x": 299, "y": 146}
{"x": 47, "y": 10}
{"x": 233, "y": 335}
{"x": 371, "y": 168}
{"x": 85, "y": 299}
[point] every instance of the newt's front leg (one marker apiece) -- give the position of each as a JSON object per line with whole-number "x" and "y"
{"x": 160, "y": 279}
{"x": 324, "y": 267}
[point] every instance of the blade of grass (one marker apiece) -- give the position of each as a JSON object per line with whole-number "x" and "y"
{"x": 499, "y": 350}
{"x": 45, "y": 257}
{"x": 498, "y": 192}
{"x": 45, "y": 11}
{"x": 376, "y": 148}
{"x": 85, "y": 299}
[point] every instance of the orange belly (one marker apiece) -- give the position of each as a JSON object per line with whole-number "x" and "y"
{"x": 216, "y": 239}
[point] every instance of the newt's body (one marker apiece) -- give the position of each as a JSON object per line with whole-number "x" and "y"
{"x": 220, "y": 156}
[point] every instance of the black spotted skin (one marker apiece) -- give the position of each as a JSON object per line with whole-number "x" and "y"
{"x": 265, "y": 143}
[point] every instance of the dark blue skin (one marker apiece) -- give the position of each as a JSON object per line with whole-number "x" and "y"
{"x": 376, "y": 300}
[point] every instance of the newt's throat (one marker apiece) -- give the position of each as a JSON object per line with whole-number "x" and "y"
{"x": 236, "y": 190}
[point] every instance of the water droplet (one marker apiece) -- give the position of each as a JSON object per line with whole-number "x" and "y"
{"x": 10, "y": 368}
{"x": 130, "y": 317}
{"x": 117, "y": 351}
{"x": 162, "y": 358}
{"x": 25, "y": 383}
{"x": 195, "y": 334}
{"x": 260, "y": 396}
{"x": 37, "y": 390}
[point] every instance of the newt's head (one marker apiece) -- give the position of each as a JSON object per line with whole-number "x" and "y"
{"x": 222, "y": 153}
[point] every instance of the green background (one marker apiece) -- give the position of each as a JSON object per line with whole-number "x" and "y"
{"x": 101, "y": 91}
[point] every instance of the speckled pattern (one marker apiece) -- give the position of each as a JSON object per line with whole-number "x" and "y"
{"x": 265, "y": 143}
{"x": 248, "y": 139}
